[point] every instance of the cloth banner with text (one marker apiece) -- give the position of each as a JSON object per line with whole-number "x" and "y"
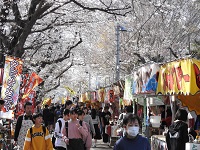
{"x": 1, "y": 75}
{"x": 128, "y": 91}
{"x": 93, "y": 97}
{"x": 144, "y": 79}
{"x": 101, "y": 95}
{"x": 29, "y": 98}
{"x": 86, "y": 97}
{"x": 11, "y": 81}
{"x": 182, "y": 78}
{"x": 34, "y": 81}
{"x": 24, "y": 82}
{"x": 71, "y": 91}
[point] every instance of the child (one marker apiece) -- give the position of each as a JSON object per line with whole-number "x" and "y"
{"x": 38, "y": 137}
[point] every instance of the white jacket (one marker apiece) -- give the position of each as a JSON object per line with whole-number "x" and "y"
{"x": 58, "y": 134}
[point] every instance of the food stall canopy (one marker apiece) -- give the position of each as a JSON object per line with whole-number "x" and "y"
{"x": 181, "y": 78}
{"x": 144, "y": 79}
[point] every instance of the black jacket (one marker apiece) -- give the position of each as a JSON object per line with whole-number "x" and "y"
{"x": 177, "y": 135}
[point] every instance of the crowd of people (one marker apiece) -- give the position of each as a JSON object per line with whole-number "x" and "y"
{"x": 74, "y": 127}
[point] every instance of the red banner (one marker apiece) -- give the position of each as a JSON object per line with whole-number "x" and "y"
{"x": 29, "y": 98}
{"x": 34, "y": 81}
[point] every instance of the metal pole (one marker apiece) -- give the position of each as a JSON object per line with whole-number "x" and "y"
{"x": 117, "y": 55}
{"x": 97, "y": 82}
{"x": 80, "y": 91}
{"x": 89, "y": 82}
{"x": 189, "y": 43}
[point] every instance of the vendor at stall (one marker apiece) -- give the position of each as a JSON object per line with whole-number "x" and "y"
{"x": 168, "y": 120}
{"x": 177, "y": 134}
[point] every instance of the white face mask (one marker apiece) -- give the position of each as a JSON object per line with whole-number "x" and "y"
{"x": 133, "y": 131}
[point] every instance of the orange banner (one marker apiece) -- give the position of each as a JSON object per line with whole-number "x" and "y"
{"x": 34, "y": 81}
{"x": 191, "y": 101}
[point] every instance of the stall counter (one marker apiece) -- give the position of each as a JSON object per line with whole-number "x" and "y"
{"x": 192, "y": 146}
{"x": 158, "y": 142}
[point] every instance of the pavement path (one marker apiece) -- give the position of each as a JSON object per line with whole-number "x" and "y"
{"x": 101, "y": 146}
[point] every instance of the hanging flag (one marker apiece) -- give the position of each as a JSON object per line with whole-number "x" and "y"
{"x": 83, "y": 98}
{"x": 128, "y": 89}
{"x": 24, "y": 81}
{"x": 63, "y": 100}
{"x": 34, "y": 81}
{"x": 30, "y": 98}
{"x": 47, "y": 101}
{"x": 11, "y": 81}
{"x": 144, "y": 79}
{"x": 87, "y": 95}
{"x": 116, "y": 90}
{"x": 1, "y": 75}
{"x": 111, "y": 96}
{"x": 101, "y": 95}
{"x": 70, "y": 90}
{"x": 93, "y": 97}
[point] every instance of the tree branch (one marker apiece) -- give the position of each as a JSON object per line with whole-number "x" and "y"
{"x": 140, "y": 57}
{"x": 16, "y": 14}
{"x": 18, "y": 50}
{"x": 53, "y": 87}
{"x": 67, "y": 55}
{"x": 63, "y": 71}
{"x": 107, "y": 10}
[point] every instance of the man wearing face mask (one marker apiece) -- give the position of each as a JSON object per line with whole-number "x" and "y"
{"x": 132, "y": 139}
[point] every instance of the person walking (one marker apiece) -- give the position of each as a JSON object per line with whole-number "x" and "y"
{"x": 38, "y": 137}
{"x": 105, "y": 118}
{"x": 177, "y": 134}
{"x": 96, "y": 123}
{"x": 24, "y": 122}
{"x": 132, "y": 139}
{"x": 59, "y": 127}
{"x": 46, "y": 113}
{"x": 38, "y": 108}
{"x": 88, "y": 139}
{"x": 87, "y": 118}
{"x": 75, "y": 132}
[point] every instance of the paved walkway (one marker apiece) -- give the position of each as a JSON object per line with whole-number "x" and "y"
{"x": 101, "y": 146}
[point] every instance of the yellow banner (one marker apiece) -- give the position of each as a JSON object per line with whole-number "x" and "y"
{"x": 179, "y": 77}
{"x": 72, "y": 92}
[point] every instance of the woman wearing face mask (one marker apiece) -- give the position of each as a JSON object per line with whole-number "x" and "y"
{"x": 132, "y": 139}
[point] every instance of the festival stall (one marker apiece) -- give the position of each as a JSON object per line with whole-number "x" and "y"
{"x": 180, "y": 79}
{"x": 140, "y": 88}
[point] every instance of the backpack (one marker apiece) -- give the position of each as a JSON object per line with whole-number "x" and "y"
{"x": 53, "y": 137}
{"x": 43, "y": 128}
